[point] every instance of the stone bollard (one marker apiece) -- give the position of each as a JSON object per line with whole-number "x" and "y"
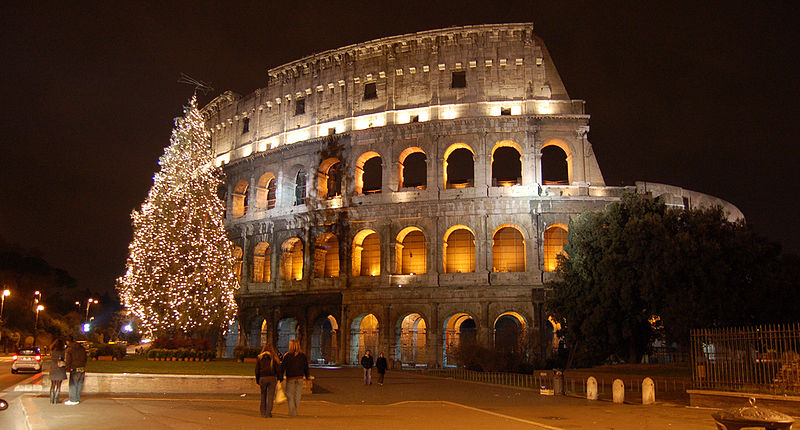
{"x": 648, "y": 392}
{"x": 591, "y": 388}
{"x": 618, "y": 389}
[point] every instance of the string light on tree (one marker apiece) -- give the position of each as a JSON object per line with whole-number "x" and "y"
{"x": 179, "y": 276}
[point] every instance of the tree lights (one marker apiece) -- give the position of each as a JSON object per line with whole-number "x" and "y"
{"x": 179, "y": 276}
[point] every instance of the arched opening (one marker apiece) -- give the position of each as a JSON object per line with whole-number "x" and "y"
{"x": 363, "y": 337}
{"x": 238, "y": 254}
{"x": 413, "y": 168}
{"x": 459, "y": 250}
{"x": 506, "y": 164}
{"x": 555, "y": 237}
{"x": 369, "y": 173}
{"x": 231, "y": 339}
{"x": 326, "y": 256}
{"x": 329, "y": 179}
{"x": 292, "y": 259}
{"x": 555, "y": 168}
{"x": 300, "y": 188}
{"x": 366, "y": 253}
{"x": 324, "y": 340}
{"x": 262, "y": 272}
{"x": 410, "y": 341}
{"x": 510, "y": 333}
{"x": 265, "y": 191}
{"x": 508, "y": 250}
{"x": 460, "y": 330}
{"x": 259, "y": 333}
{"x": 410, "y": 252}
{"x": 459, "y": 167}
{"x": 240, "y": 199}
{"x": 288, "y": 329}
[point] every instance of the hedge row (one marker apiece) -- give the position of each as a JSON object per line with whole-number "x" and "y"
{"x": 242, "y": 352}
{"x": 181, "y": 354}
{"x": 103, "y": 349}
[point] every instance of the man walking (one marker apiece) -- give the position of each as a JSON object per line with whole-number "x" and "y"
{"x": 76, "y": 364}
{"x": 367, "y": 362}
{"x": 381, "y": 365}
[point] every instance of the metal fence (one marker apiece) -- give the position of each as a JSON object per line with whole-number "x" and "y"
{"x": 761, "y": 359}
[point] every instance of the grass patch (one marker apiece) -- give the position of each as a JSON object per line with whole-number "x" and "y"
{"x": 139, "y": 364}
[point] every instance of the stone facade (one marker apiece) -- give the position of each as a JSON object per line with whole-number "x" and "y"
{"x": 351, "y": 160}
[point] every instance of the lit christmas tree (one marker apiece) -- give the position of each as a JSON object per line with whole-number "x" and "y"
{"x": 179, "y": 276}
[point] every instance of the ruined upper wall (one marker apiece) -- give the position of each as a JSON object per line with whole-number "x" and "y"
{"x": 506, "y": 70}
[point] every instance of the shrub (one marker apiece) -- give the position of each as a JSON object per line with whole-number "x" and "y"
{"x": 203, "y": 344}
{"x": 116, "y": 351}
{"x": 241, "y": 352}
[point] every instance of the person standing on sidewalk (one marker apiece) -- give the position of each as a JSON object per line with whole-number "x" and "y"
{"x": 381, "y": 365}
{"x": 268, "y": 374}
{"x": 295, "y": 368}
{"x": 76, "y": 364}
{"x": 367, "y": 362}
{"x": 58, "y": 369}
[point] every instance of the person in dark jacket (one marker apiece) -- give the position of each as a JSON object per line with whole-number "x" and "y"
{"x": 367, "y": 362}
{"x": 295, "y": 368}
{"x": 381, "y": 365}
{"x": 76, "y": 364}
{"x": 268, "y": 374}
{"x": 58, "y": 369}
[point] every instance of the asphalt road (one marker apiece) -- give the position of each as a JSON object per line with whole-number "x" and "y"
{"x": 12, "y": 418}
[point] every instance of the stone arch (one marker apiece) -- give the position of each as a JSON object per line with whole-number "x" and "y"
{"x": 506, "y": 164}
{"x": 366, "y": 253}
{"x": 556, "y": 165}
{"x": 262, "y": 261}
{"x": 231, "y": 339}
{"x": 238, "y": 256}
{"x": 364, "y": 335}
{"x": 458, "y": 249}
{"x": 508, "y": 249}
{"x": 300, "y": 187}
{"x": 555, "y": 237}
{"x": 460, "y": 329}
{"x": 369, "y": 173}
{"x": 265, "y": 191}
{"x": 458, "y": 168}
{"x": 326, "y": 256}
{"x": 292, "y": 259}
{"x": 240, "y": 199}
{"x": 324, "y": 340}
{"x": 259, "y": 332}
{"x": 510, "y": 333}
{"x": 329, "y": 178}
{"x": 410, "y": 339}
{"x": 288, "y": 330}
{"x": 411, "y": 254}
{"x": 413, "y": 168}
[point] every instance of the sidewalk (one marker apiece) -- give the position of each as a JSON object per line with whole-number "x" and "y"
{"x": 341, "y": 401}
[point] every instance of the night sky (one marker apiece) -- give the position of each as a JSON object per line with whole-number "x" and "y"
{"x": 696, "y": 95}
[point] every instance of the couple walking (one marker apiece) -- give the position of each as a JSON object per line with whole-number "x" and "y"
{"x": 368, "y": 363}
{"x": 270, "y": 370}
{"x": 73, "y": 358}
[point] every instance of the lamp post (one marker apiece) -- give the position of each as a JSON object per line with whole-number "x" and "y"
{"x": 6, "y": 292}
{"x": 88, "y": 304}
{"x": 36, "y": 324}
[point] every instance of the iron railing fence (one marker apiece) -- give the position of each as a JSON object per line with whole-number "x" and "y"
{"x": 760, "y": 359}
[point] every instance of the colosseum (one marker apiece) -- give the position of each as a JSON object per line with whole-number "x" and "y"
{"x": 408, "y": 195}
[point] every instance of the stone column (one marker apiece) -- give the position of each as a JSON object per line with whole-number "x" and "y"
{"x": 433, "y": 340}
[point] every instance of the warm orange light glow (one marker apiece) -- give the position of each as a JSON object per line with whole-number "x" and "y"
{"x": 326, "y": 256}
{"x": 240, "y": 199}
{"x": 292, "y": 260}
{"x": 508, "y": 250}
{"x": 262, "y": 272}
{"x": 459, "y": 250}
{"x": 411, "y": 252}
{"x": 366, "y": 253}
{"x": 555, "y": 237}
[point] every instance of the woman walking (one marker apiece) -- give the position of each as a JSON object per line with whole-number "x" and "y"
{"x": 268, "y": 374}
{"x": 58, "y": 369}
{"x": 295, "y": 367}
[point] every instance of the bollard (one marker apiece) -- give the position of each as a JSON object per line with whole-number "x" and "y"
{"x": 618, "y": 390}
{"x": 648, "y": 392}
{"x": 591, "y": 388}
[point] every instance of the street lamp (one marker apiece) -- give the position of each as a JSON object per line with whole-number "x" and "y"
{"x": 6, "y": 292}
{"x": 88, "y": 304}
{"x": 36, "y": 324}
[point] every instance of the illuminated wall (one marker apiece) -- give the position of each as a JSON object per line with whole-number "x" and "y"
{"x": 508, "y": 251}
{"x": 555, "y": 237}
{"x": 292, "y": 260}
{"x": 411, "y": 252}
{"x": 261, "y": 263}
{"x": 326, "y": 257}
{"x": 367, "y": 254}
{"x": 459, "y": 251}
{"x": 240, "y": 199}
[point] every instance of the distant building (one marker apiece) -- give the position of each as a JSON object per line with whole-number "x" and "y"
{"x": 408, "y": 194}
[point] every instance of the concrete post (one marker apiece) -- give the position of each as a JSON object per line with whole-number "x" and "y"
{"x": 648, "y": 392}
{"x": 618, "y": 389}
{"x": 591, "y": 388}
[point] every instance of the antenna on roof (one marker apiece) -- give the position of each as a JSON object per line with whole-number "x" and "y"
{"x": 198, "y": 85}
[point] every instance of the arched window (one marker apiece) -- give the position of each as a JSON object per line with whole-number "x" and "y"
{"x": 506, "y": 164}
{"x": 292, "y": 260}
{"x": 413, "y": 168}
{"x": 459, "y": 166}
{"x": 265, "y": 191}
{"x": 326, "y": 256}
{"x": 329, "y": 179}
{"x": 555, "y": 237}
{"x": 459, "y": 250}
{"x": 369, "y": 173}
{"x": 411, "y": 252}
{"x": 237, "y": 262}
{"x": 240, "y": 199}
{"x": 510, "y": 333}
{"x": 555, "y": 169}
{"x": 508, "y": 250}
{"x": 300, "y": 188}
{"x": 366, "y": 253}
{"x": 262, "y": 271}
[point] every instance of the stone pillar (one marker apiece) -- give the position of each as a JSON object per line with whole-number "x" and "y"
{"x": 648, "y": 392}
{"x": 433, "y": 338}
{"x": 618, "y": 390}
{"x": 591, "y": 388}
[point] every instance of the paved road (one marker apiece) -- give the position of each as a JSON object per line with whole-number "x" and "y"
{"x": 14, "y": 417}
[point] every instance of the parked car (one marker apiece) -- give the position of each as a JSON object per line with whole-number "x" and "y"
{"x": 27, "y": 359}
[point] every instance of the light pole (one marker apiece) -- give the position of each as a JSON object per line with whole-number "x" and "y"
{"x": 88, "y": 304}
{"x": 6, "y": 292}
{"x": 36, "y": 324}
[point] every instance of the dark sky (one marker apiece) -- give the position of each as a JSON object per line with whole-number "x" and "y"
{"x": 703, "y": 96}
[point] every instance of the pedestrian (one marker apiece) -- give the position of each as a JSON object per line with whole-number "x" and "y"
{"x": 381, "y": 365}
{"x": 295, "y": 369}
{"x": 268, "y": 374}
{"x": 58, "y": 369}
{"x": 367, "y": 362}
{"x": 76, "y": 364}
